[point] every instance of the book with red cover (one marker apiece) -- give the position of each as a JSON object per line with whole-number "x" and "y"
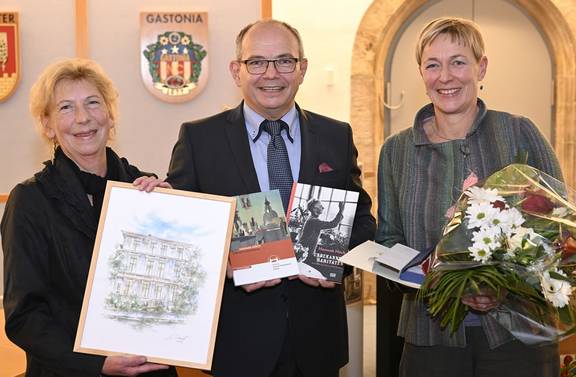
{"x": 320, "y": 223}
{"x": 261, "y": 248}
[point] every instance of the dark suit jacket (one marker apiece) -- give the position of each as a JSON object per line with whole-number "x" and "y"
{"x": 213, "y": 156}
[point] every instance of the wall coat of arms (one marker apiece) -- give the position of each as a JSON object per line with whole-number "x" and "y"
{"x": 9, "y": 54}
{"x": 174, "y": 60}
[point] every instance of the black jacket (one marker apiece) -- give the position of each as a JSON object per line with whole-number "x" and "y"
{"x": 48, "y": 232}
{"x": 213, "y": 156}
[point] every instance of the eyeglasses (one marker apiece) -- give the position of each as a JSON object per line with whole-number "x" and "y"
{"x": 259, "y": 66}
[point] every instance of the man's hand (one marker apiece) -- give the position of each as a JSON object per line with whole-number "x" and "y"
{"x": 254, "y": 286}
{"x": 148, "y": 184}
{"x": 261, "y": 284}
{"x": 129, "y": 366}
{"x": 313, "y": 282}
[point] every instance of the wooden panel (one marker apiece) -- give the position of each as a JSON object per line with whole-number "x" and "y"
{"x": 13, "y": 358}
{"x": 82, "y": 29}
{"x": 188, "y": 372}
{"x": 568, "y": 345}
{"x": 266, "y": 9}
{"x": 3, "y": 198}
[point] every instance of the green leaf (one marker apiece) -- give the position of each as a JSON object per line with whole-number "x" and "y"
{"x": 565, "y": 315}
{"x": 557, "y": 276}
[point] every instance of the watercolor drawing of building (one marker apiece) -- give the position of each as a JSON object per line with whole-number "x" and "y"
{"x": 153, "y": 279}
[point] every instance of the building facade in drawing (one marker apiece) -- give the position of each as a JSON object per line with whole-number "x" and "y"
{"x": 154, "y": 279}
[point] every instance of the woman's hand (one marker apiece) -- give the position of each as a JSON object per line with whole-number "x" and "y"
{"x": 146, "y": 183}
{"x": 483, "y": 301}
{"x": 129, "y": 366}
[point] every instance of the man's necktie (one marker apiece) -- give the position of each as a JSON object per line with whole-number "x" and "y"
{"x": 279, "y": 172}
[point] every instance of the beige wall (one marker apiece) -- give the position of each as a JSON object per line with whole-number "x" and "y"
{"x": 328, "y": 29}
{"x": 519, "y": 75}
{"x": 45, "y": 33}
{"x": 147, "y": 127}
{"x": 384, "y": 18}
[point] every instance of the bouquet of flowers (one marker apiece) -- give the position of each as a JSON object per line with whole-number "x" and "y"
{"x": 567, "y": 366}
{"x": 513, "y": 237}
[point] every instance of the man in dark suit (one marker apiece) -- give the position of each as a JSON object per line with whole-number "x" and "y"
{"x": 289, "y": 327}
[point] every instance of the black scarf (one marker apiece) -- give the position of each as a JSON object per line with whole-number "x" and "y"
{"x": 93, "y": 184}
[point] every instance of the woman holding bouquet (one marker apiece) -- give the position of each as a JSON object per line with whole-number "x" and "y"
{"x": 50, "y": 222}
{"x": 454, "y": 142}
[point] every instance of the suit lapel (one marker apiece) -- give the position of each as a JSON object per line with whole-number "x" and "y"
{"x": 238, "y": 142}
{"x": 308, "y": 163}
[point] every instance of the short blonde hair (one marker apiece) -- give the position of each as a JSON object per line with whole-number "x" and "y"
{"x": 42, "y": 92}
{"x": 464, "y": 31}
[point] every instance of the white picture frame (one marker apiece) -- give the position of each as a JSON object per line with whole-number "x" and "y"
{"x": 157, "y": 274}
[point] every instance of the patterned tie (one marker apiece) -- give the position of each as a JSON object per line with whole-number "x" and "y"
{"x": 279, "y": 172}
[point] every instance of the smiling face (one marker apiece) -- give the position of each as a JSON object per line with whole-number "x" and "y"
{"x": 451, "y": 75}
{"x": 317, "y": 209}
{"x": 270, "y": 94}
{"x": 79, "y": 121}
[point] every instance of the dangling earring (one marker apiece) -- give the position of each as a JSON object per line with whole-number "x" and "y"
{"x": 54, "y": 145}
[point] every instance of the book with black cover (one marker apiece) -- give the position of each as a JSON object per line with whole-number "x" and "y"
{"x": 320, "y": 223}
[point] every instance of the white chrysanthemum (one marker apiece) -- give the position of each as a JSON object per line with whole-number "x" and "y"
{"x": 556, "y": 291}
{"x": 482, "y": 195}
{"x": 480, "y": 215}
{"x": 515, "y": 241}
{"x": 560, "y": 212}
{"x": 499, "y": 218}
{"x": 510, "y": 220}
{"x": 480, "y": 253}
{"x": 487, "y": 238}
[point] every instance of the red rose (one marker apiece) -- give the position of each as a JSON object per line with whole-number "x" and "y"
{"x": 537, "y": 203}
{"x": 426, "y": 266}
{"x": 568, "y": 247}
{"x": 499, "y": 204}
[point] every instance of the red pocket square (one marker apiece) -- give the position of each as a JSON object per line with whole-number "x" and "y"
{"x": 324, "y": 168}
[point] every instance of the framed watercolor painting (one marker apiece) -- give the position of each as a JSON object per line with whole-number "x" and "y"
{"x": 157, "y": 274}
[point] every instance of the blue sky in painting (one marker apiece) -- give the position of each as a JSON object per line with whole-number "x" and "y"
{"x": 169, "y": 230}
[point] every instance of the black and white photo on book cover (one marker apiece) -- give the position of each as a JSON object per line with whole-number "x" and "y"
{"x": 320, "y": 224}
